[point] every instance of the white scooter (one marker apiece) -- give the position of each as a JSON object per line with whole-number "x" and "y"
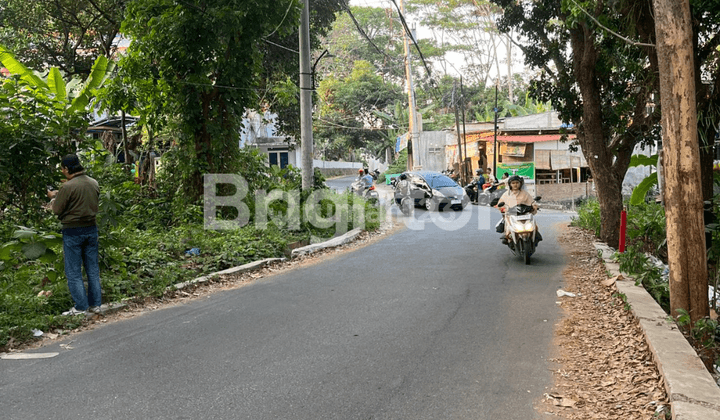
{"x": 521, "y": 225}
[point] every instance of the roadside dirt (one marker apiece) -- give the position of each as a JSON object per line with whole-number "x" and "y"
{"x": 606, "y": 370}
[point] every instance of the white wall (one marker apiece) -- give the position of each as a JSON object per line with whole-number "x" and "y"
{"x": 329, "y": 164}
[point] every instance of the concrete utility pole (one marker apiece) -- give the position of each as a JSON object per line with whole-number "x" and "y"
{"x": 681, "y": 154}
{"x": 457, "y": 129}
{"x": 306, "y": 89}
{"x": 495, "y": 151}
{"x": 414, "y": 158}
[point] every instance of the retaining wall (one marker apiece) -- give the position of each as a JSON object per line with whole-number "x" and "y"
{"x": 565, "y": 191}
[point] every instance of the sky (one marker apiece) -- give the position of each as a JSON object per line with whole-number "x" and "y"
{"x": 456, "y": 60}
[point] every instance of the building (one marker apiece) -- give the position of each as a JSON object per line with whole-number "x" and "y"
{"x": 536, "y": 147}
{"x": 260, "y": 131}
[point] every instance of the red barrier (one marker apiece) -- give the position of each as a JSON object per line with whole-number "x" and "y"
{"x": 623, "y": 227}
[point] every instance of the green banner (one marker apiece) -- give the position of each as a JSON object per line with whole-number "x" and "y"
{"x": 523, "y": 169}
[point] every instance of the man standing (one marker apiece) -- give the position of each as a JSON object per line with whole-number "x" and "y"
{"x": 477, "y": 183}
{"x": 76, "y": 204}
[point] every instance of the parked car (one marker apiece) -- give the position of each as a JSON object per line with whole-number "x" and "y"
{"x": 432, "y": 190}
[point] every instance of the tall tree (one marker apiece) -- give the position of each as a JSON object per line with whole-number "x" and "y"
{"x": 353, "y": 110}
{"x": 596, "y": 80}
{"x": 207, "y": 54}
{"x": 67, "y": 34}
{"x": 706, "y": 58}
{"x": 683, "y": 193}
{"x": 469, "y": 28}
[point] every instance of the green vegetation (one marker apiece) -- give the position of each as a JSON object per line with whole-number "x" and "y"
{"x": 146, "y": 240}
{"x": 701, "y": 335}
{"x": 645, "y": 235}
{"x": 152, "y": 233}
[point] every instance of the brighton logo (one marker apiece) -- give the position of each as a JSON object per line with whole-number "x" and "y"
{"x": 322, "y": 209}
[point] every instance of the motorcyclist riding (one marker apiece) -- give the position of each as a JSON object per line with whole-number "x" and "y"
{"x": 517, "y": 195}
{"x": 477, "y": 185}
{"x": 366, "y": 178}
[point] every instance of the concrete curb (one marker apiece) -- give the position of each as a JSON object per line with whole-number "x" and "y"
{"x": 240, "y": 269}
{"x": 693, "y": 393}
{"x": 340, "y": 240}
{"x": 255, "y": 265}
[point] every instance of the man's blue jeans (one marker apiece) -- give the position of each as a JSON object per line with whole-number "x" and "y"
{"x": 80, "y": 246}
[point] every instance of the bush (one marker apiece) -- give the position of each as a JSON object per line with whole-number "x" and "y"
{"x": 588, "y": 216}
{"x": 399, "y": 166}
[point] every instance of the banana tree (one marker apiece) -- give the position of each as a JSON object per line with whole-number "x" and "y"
{"x": 41, "y": 116}
{"x": 75, "y": 96}
{"x": 641, "y": 190}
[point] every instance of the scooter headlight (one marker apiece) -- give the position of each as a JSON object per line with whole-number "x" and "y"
{"x": 523, "y": 227}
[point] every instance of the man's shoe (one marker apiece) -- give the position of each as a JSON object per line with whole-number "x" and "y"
{"x": 74, "y": 312}
{"x": 95, "y": 310}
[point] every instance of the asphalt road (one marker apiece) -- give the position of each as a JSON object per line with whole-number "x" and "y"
{"x": 438, "y": 322}
{"x": 340, "y": 183}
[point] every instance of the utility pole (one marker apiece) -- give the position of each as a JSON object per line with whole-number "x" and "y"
{"x": 306, "y": 89}
{"x": 414, "y": 158}
{"x": 495, "y": 151}
{"x": 685, "y": 227}
{"x": 462, "y": 109}
{"x": 457, "y": 128}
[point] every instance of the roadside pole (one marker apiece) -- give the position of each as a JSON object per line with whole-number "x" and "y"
{"x": 306, "y": 135}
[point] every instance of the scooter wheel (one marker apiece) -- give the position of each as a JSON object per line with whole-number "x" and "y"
{"x": 527, "y": 251}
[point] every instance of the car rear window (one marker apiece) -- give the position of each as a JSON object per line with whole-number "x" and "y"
{"x": 441, "y": 181}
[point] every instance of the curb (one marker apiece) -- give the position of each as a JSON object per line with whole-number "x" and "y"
{"x": 692, "y": 392}
{"x": 240, "y": 269}
{"x": 340, "y": 240}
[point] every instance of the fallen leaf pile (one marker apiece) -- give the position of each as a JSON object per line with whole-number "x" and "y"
{"x": 605, "y": 369}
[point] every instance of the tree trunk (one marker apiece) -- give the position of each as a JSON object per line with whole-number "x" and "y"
{"x": 606, "y": 172}
{"x": 683, "y": 189}
{"x": 128, "y": 159}
{"x": 609, "y": 191}
{"x": 510, "y": 73}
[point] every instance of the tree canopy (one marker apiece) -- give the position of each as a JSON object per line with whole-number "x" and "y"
{"x": 206, "y": 58}
{"x": 596, "y": 80}
{"x": 66, "y": 34}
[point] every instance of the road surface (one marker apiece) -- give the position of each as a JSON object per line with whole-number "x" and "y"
{"x": 437, "y": 321}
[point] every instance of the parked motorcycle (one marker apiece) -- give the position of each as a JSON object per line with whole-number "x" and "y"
{"x": 521, "y": 225}
{"x": 488, "y": 194}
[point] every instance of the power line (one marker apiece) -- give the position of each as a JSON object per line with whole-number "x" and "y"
{"x": 362, "y": 32}
{"x": 281, "y": 46}
{"x": 412, "y": 38}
